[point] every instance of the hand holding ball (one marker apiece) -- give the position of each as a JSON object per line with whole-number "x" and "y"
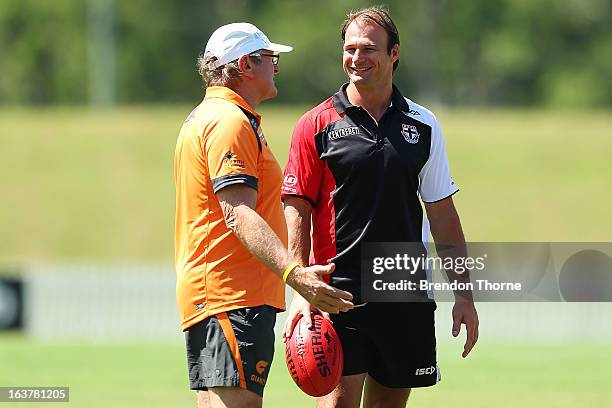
{"x": 314, "y": 357}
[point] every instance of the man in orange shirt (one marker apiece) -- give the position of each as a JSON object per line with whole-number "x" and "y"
{"x": 230, "y": 234}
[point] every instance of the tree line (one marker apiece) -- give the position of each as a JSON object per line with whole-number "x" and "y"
{"x": 473, "y": 52}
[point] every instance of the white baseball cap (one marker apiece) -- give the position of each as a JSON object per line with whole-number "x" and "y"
{"x": 232, "y": 41}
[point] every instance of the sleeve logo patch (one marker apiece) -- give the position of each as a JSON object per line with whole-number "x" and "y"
{"x": 288, "y": 184}
{"x": 232, "y": 161}
{"x": 410, "y": 133}
{"x": 290, "y": 180}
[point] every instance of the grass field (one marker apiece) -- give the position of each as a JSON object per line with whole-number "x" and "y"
{"x": 97, "y": 185}
{"x": 499, "y": 375}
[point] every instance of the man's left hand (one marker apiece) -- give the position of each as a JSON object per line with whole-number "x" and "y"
{"x": 464, "y": 312}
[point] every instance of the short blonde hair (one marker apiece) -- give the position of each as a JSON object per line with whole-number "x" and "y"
{"x": 219, "y": 76}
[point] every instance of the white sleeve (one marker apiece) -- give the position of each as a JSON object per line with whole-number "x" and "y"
{"x": 435, "y": 182}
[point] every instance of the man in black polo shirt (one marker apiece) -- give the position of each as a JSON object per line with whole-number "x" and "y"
{"x": 358, "y": 164}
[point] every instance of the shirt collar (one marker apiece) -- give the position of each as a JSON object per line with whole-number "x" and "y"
{"x": 230, "y": 95}
{"x": 342, "y": 104}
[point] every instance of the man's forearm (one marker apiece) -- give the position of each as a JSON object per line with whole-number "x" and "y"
{"x": 450, "y": 242}
{"x": 299, "y": 234}
{"x": 454, "y": 251}
{"x": 298, "y": 226}
{"x": 237, "y": 203}
{"x": 259, "y": 239}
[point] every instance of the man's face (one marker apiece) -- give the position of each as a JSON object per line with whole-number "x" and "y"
{"x": 264, "y": 75}
{"x": 365, "y": 58}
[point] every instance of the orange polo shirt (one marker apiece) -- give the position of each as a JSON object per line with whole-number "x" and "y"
{"x": 217, "y": 146}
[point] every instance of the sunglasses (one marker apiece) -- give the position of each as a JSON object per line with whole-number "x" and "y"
{"x": 274, "y": 58}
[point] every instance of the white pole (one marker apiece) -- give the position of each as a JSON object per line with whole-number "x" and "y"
{"x": 101, "y": 53}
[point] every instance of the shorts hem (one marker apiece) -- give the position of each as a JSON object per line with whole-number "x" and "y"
{"x": 406, "y": 385}
{"x": 203, "y": 385}
{"x": 354, "y": 372}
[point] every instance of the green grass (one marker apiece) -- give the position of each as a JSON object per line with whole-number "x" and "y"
{"x": 97, "y": 184}
{"x": 88, "y": 185}
{"x": 499, "y": 375}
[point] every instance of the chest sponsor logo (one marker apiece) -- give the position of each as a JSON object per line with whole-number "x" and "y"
{"x": 340, "y": 133}
{"x": 232, "y": 161}
{"x": 410, "y": 133}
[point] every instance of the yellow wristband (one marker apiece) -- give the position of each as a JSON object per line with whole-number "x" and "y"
{"x": 289, "y": 269}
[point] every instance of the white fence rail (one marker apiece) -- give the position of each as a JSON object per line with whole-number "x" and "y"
{"x": 137, "y": 303}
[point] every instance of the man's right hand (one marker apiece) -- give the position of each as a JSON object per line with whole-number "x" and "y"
{"x": 299, "y": 307}
{"x": 309, "y": 284}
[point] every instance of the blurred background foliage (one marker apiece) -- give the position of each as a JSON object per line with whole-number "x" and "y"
{"x": 474, "y": 52}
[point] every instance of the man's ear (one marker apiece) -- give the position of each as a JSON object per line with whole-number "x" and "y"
{"x": 245, "y": 66}
{"x": 395, "y": 52}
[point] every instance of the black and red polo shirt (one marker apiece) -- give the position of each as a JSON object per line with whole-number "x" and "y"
{"x": 364, "y": 179}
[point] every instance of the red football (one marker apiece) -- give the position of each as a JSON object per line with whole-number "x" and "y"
{"x": 314, "y": 357}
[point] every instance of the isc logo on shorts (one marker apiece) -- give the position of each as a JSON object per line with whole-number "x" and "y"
{"x": 425, "y": 371}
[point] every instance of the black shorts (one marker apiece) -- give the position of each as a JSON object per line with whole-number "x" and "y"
{"x": 232, "y": 349}
{"x": 395, "y": 343}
